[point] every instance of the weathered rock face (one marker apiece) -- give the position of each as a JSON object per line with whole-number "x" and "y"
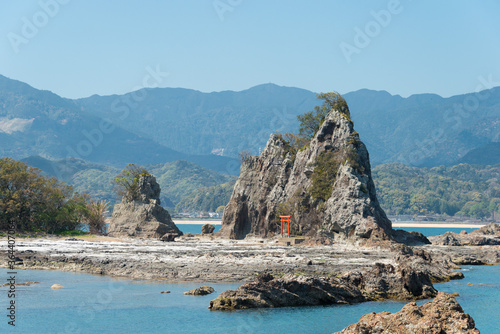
{"x": 276, "y": 183}
{"x": 291, "y": 290}
{"x": 442, "y": 315}
{"x": 486, "y": 235}
{"x": 381, "y": 282}
{"x": 144, "y": 217}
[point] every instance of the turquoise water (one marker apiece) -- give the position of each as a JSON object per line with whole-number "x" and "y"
{"x": 194, "y": 228}
{"x": 91, "y": 304}
{"x": 432, "y": 231}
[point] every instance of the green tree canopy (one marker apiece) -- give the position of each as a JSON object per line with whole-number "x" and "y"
{"x": 36, "y": 203}
{"x": 126, "y": 183}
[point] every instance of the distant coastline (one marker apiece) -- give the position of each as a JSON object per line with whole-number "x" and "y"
{"x": 435, "y": 224}
{"x": 197, "y": 221}
{"x": 394, "y": 224}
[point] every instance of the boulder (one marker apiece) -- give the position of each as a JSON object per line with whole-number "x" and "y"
{"x": 207, "y": 229}
{"x": 143, "y": 217}
{"x": 166, "y": 291}
{"x": 442, "y": 315}
{"x": 57, "y": 286}
{"x": 280, "y": 181}
{"x": 201, "y": 291}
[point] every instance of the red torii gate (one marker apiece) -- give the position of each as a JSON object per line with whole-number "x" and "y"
{"x": 287, "y": 220}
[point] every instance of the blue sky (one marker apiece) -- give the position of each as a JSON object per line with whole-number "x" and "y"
{"x": 78, "y": 48}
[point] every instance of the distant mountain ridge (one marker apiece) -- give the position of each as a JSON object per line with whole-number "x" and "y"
{"x": 34, "y": 122}
{"x": 210, "y": 129}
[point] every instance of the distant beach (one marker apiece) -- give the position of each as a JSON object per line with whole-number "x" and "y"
{"x": 435, "y": 224}
{"x": 197, "y": 221}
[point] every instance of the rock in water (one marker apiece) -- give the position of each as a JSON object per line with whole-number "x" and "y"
{"x": 201, "y": 291}
{"x": 207, "y": 229}
{"x": 144, "y": 217}
{"x": 283, "y": 182}
{"x": 442, "y": 315}
{"x": 57, "y": 286}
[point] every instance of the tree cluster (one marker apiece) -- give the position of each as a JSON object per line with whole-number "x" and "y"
{"x": 36, "y": 203}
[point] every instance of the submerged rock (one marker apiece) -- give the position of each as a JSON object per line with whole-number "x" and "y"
{"x": 144, "y": 217}
{"x": 201, "y": 291}
{"x": 442, "y": 315}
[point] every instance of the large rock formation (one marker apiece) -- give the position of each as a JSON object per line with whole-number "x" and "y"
{"x": 442, "y": 315}
{"x": 283, "y": 182}
{"x": 143, "y": 217}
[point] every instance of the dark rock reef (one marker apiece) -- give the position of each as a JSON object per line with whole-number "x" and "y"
{"x": 283, "y": 181}
{"x": 442, "y": 315}
{"x": 382, "y": 282}
{"x": 144, "y": 217}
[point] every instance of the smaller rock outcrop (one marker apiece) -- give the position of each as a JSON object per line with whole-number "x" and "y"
{"x": 488, "y": 235}
{"x": 442, "y": 315}
{"x": 57, "y": 286}
{"x": 143, "y": 217}
{"x": 201, "y": 291}
{"x": 207, "y": 229}
{"x": 381, "y": 282}
{"x": 291, "y": 290}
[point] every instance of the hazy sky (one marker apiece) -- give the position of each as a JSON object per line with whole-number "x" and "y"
{"x": 77, "y": 48}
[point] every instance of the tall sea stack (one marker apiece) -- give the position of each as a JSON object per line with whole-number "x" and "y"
{"x": 143, "y": 217}
{"x": 326, "y": 187}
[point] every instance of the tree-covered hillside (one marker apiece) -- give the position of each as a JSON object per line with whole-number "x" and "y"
{"x": 461, "y": 190}
{"x": 177, "y": 179}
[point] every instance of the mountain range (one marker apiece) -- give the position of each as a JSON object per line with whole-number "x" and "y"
{"x": 161, "y": 125}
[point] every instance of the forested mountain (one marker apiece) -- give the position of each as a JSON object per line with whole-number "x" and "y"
{"x": 462, "y": 190}
{"x": 177, "y": 179}
{"x": 34, "y": 122}
{"x": 425, "y": 129}
{"x": 167, "y": 124}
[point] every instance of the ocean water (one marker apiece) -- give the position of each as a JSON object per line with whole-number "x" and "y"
{"x": 101, "y": 304}
{"x": 194, "y": 228}
{"x": 432, "y": 231}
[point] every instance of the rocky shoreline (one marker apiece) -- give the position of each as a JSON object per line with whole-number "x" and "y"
{"x": 206, "y": 258}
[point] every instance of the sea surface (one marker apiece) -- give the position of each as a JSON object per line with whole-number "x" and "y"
{"x": 100, "y": 304}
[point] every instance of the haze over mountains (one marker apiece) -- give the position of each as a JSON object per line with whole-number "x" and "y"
{"x": 167, "y": 124}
